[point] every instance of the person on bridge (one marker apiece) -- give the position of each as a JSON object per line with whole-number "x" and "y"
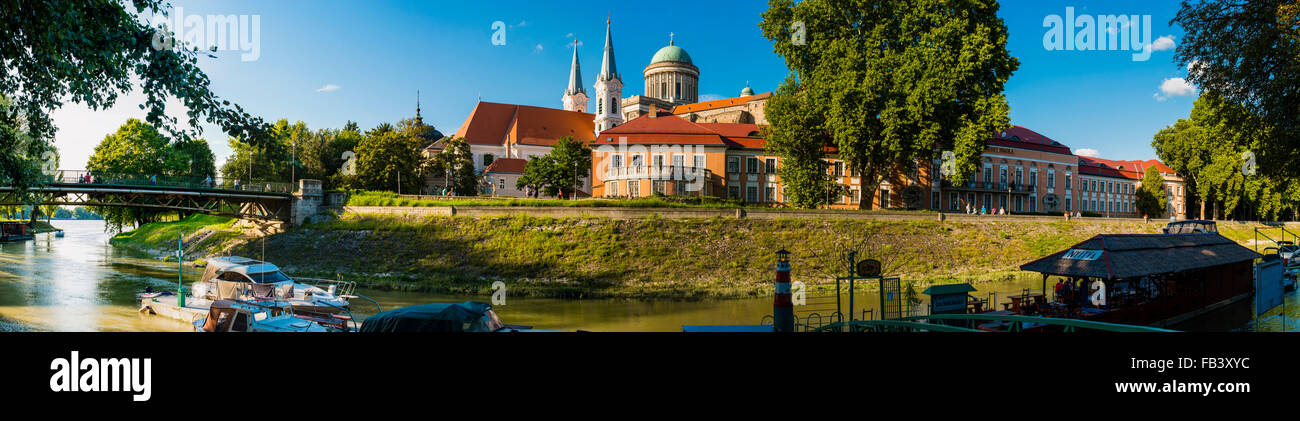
{"x": 207, "y": 182}
{"x": 153, "y": 180}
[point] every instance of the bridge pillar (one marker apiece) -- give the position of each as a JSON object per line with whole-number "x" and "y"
{"x": 306, "y": 201}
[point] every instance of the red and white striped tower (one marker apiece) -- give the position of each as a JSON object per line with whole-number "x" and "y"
{"x": 782, "y": 306}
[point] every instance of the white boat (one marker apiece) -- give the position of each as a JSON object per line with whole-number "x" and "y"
{"x": 244, "y": 279}
{"x": 243, "y": 316}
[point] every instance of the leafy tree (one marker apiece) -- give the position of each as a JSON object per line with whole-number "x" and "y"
{"x": 89, "y": 52}
{"x": 1151, "y": 200}
{"x": 1248, "y": 52}
{"x": 894, "y": 82}
{"x": 456, "y": 164}
{"x": 139, "y": 151}
{"x": 558, "y": 173}
{"x": 387, "y": 158}
{"x": 797, "y": 137}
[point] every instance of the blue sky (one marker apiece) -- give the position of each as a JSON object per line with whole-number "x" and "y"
{"x": 327, "y": 62}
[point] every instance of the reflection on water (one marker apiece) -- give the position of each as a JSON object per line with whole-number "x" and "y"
{"x": 80, "y": 283}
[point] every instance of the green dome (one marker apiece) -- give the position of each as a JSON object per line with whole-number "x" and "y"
{"x": 671, "y": 53}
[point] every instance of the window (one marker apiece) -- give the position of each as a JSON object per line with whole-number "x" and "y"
{"x": 953, "y": 198}
{"x": 770, "y": 196}
{"x": 658, "y": 160}
{"x": 1033, "y": 178}
{"x": 1020, "y": 176}
{"x": 600, "y": 106}
{"x": 1094, "y": 186}
{"x": 616, "y": 161}
{"x": 634, "y": 188}
{"x": 884, "y": 197}
{"x": 502, "y": 183}
{"x": 659, "y": 187}
{"x": 1067, "y": 204}
{"x": 1002, "y": 176}
{"x": 751, "y": 165}
{"x": 1051, "y": 179}
{"x": 733, "y": 192}
{"x": 636, "y": 160}
{"x": 613, "y": 189}
{"x": 678, "y": 92}
{"x": 1067, "y": 182}
{"x": 1033, "y": 204}
{"x": 733, "y": 165}
{"x": 699, "y": 161}
{"x": 663, "y": 90}
{"x": 751, "y": 193}
{"x": 839, "y": 168}
{"x": 770, "y": 164}
{"x": 487, "y": 160}
{"x": 988, "y": 174}
{"x": 934, "y": 200}
{"x": 988, "y": 201}
{"x": 679, "y": 161}
{"x": 1084, "y": 186}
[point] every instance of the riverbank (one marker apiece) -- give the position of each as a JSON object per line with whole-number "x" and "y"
{"x": 687, "y": 258}
{"x": 588, "y": 257}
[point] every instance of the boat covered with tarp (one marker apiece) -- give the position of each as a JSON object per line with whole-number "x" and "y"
{"x": 469, "y": 316}
{"x": 1145, "y": 279}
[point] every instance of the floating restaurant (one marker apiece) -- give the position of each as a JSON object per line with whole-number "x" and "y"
{"x": 1144, "y": 279}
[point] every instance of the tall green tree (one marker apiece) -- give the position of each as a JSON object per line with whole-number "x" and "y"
{"x": 1248, "y": 52}
{"x": 798, "y": 137}
{"x": 1151, "y": 199}
{"x": 137, "y": 150}
{"x": 390, "y": 160}
{"x": 89, "y": 52}
{"x": 894, "y": 82}
{"x": 456, "y": 165}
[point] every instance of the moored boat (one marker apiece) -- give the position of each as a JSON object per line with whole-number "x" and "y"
{"x": 243, "y": 316}
{"x": 15, "y": 231}
{"x": 245, "y": 279}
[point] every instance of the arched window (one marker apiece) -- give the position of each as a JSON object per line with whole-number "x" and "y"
{"x": 600, "y": 106}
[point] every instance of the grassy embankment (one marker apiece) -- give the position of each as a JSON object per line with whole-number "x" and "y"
{"x": 381, "y": 198}
{"x": 159, "y": 238}
{"x": 655, "y": 257}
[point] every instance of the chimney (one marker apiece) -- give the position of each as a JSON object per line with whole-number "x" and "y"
{"x": 654, "y": 111}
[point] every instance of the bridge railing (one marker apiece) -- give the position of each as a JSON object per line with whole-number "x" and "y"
{"x": 186, "y": 182}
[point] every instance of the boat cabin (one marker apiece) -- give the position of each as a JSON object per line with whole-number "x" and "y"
{"x": 1145, "y": 279}
{"x": 1193, "y": 226}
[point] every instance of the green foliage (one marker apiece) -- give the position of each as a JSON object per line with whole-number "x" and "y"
{"x": 796, "y": 136}
{"x": 455, "y": 165}
{"x": 1207, "y": 150}
{"x": 558, "y": 173}
{"x": 1151, "y": 200}
{"x": 139, "y": 149}
{"x": 89, "y": 52}
{"x": 1248, "y": 52}
{"x": 162, "y": 235}
{"x": 892, "y": 82}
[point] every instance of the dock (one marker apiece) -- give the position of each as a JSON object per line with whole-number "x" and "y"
{"x": 168, "y": 306}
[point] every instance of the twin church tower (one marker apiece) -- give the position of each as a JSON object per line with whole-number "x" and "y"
{"x": 670, "y": 80}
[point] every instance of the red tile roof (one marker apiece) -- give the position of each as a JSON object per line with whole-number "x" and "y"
{"x": 490, "y": 123}
{"x": 1126, "y": 169}
{"x": 663, "y": 128}
{"x": 506, "y": 166}
{"x": 718, "y": 103}
{"x": 1020, "y": 137}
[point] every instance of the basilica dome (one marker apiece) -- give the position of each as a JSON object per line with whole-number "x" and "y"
{"x": 671, "y": 53}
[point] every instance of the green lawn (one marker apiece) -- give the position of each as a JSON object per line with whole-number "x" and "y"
{"x": 163, "y": 235}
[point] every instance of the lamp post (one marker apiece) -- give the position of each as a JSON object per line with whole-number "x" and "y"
{"x": 782, "y": 306}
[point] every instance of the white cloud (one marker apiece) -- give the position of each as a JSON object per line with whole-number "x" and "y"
{"x": 570, "y": 35}
{"x": 1088, "y": 152}
{"x": 1176, "y": 86}
{"x": 1163, "y": 43}
{"x": 570, "y": 45}
{"x": 329, "y": 88}
{"x": 710, "y": 97}
{"x": 539, "y": 48}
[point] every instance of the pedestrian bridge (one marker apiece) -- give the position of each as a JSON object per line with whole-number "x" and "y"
{"x": 241, "y": 199}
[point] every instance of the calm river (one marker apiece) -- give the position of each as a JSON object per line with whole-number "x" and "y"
{"x": 80, "y": 283}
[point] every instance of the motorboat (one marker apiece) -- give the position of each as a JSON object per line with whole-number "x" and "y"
{"x": 469, "y": 316}
{"x": 244, "y": 279}
{"x": 243, "y": 316}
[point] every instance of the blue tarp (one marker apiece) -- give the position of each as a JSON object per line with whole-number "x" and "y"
{"x": 1268, "y": 284}
{"x": 469, "y": 316}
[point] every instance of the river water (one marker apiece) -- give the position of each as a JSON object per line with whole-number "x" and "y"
{"x": 80, "y": 283}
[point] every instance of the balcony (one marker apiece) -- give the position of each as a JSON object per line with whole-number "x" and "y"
{"x": 992, "y": 187}
{"x": 658, "y": 172}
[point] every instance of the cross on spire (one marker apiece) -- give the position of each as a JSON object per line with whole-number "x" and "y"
{"x": 670, "y": 38}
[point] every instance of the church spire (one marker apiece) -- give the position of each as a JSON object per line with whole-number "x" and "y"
{"x": 608, "y": 70}
{"x": 418, "y": 119}
{"x": 575, "y": 73}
